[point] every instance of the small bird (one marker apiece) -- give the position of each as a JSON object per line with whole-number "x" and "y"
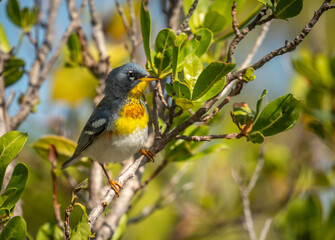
{"x": 118, "y": 127}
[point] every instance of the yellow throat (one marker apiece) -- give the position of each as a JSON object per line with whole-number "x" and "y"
{"x": 133, "y": 114}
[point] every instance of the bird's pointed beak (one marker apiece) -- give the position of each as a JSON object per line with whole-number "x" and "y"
{"x": 148, "y": 79}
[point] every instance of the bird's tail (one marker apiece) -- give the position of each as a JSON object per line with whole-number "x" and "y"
{"x": 72, "y": 160}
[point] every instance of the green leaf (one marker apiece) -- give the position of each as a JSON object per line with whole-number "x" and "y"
{"x": 192, "y": 70}
{"x": 259, "y": 103}
{"x": 49, "y": 231}
{"x": 82, "y": 230}
{"x": 74, "y": 47}
{"x": 11, "y": 144}
{"x": 14, "y": 12}
{"x": 16, "y": 229}
{"x": 4, "y": 215}
{"x": 80, "y": 186}
{"x": 242, "y": 113}
{"x": 214, "y": 21}
{"x": 184, "y": 103}
{"x": 145, "y": 19}
{"x": 213, "y": 73}
{"x": 13, "y": 71}
{"x": 179, "y": 41}
{"x": 164, "y": 49}
{"x": 266, "y": 3}
{"x": 18, "y": 180}
{"x": 278, "y": 116}
{"x": 64, "y": 146}
{"x": 121, "y": 228}
{"x": 7, "y": 195}
{"x": 182, "y": 90}
{"x": 256, "y": 137}
{"x": 213, "y": 91}
{"x": 198, "y": 45}
{"x": 197, "y": 17}
{"x": 288, "y": 8}
{"x": 249, "y": 75}
{"x": 4, "y": 44}
{"x": 169, "y": 89}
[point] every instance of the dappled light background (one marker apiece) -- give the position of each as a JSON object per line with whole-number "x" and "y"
{"x": 296, "y": 186}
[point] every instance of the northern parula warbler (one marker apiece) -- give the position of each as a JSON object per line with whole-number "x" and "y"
{"x": 118, "y": 127}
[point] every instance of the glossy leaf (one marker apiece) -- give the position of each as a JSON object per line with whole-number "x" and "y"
{"x": 164, "y": 49}
{"x": 121, "y": 228}
{"x": 266, "y": 3}
{"x": 288, "y": 8}
{"x": 145, "y": 20}
{"x": 4, "y": 44}
{"x": 49, "y": 231}
{"x": 182, "y": 90}
{"x": 16, "y": 229}
{"x": 242, "y": 113}
{"x": 213, "y": 73}
{"x": 184, "y": 103}
{"x": 249, "y": 75}
{"x": 214, "y": 21}
{"x": 213, "y": 91}
{"x": 80, "y": 186}
{"x": 6, "y": 195}
{"x": 179, "y": 41}
{"x": 278, "y": 116}
{"x": 14, "y": 12}
{"x": 64, "y": 146}
{"x": 198, "y": 45}
{"x": 256, "y": 137}
{"x": 169, "y": 89}
{"x": 259, "y": 103}
{"x": 13, "y": 71}
{"x": 4, "y": 215}
{"x": 82, "y": 230}
{"x": 197, "y": 17}
{"x": 192, "y": 70}
{"x": 11, "y": 144}
{"x": 18, "y": 180}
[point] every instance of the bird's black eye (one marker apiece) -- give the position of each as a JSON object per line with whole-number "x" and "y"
{"x": 131, "y": 75}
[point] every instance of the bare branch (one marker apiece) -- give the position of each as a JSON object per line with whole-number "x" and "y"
{"x": 257, "y": 44}
{"x": 241, "y": 34}
{"x": 53, "y": 160}
{"x": 4, "y": 116}
{"x": 173, "y": 15}
{"x": 209, "y": 137}
{"x": 184, "y": 24}
{"x": 289, "y": 46}
{"x": 67, "y": 218}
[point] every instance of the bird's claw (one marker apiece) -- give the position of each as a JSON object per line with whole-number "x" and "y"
{"x": 114, "y": 186}
{"x": 149, "y": 154}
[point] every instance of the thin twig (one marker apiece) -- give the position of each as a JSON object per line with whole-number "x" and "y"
{"x": 158, "y": 132}
{"x": 184, "y": 24}
{"x": 53, "y": 160}
{"x": 154, "y": 174}
{"x": 258, "y": 42}
{"x": 67, "y": 218}
{"x": 241, "y": 34}
{"x": 209, "y": 137}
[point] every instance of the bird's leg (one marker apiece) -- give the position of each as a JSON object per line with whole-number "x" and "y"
{"x": 146, "y": 152}
{"x": 112, "y": 183}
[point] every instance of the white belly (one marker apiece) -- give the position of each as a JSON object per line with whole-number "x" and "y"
{"x": 117, "y": 148}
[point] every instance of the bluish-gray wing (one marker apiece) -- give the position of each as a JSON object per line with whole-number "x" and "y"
{"x": 95, "y": 126}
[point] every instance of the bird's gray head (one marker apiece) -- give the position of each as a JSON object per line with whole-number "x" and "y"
{"x": 129, "y": 79}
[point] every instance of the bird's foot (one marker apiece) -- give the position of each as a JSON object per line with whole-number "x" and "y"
{"x": 146, "y": 152}
{"x": 114, "y": 185}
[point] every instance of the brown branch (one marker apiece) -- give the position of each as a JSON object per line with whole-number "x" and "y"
{"x": 4, "y": 116}
{"x": 289, "y": 46}
{"x": 158, "y": 132}
{"x": 173, "y": 14}
{"x": 53, "y": 160}
{"x": 241, "y": 34}
{"x": 67, "y": 218}
{"x": 209, "y": 137}
{"x": 41, "y": 67}
{"x": 184, "y": 24}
